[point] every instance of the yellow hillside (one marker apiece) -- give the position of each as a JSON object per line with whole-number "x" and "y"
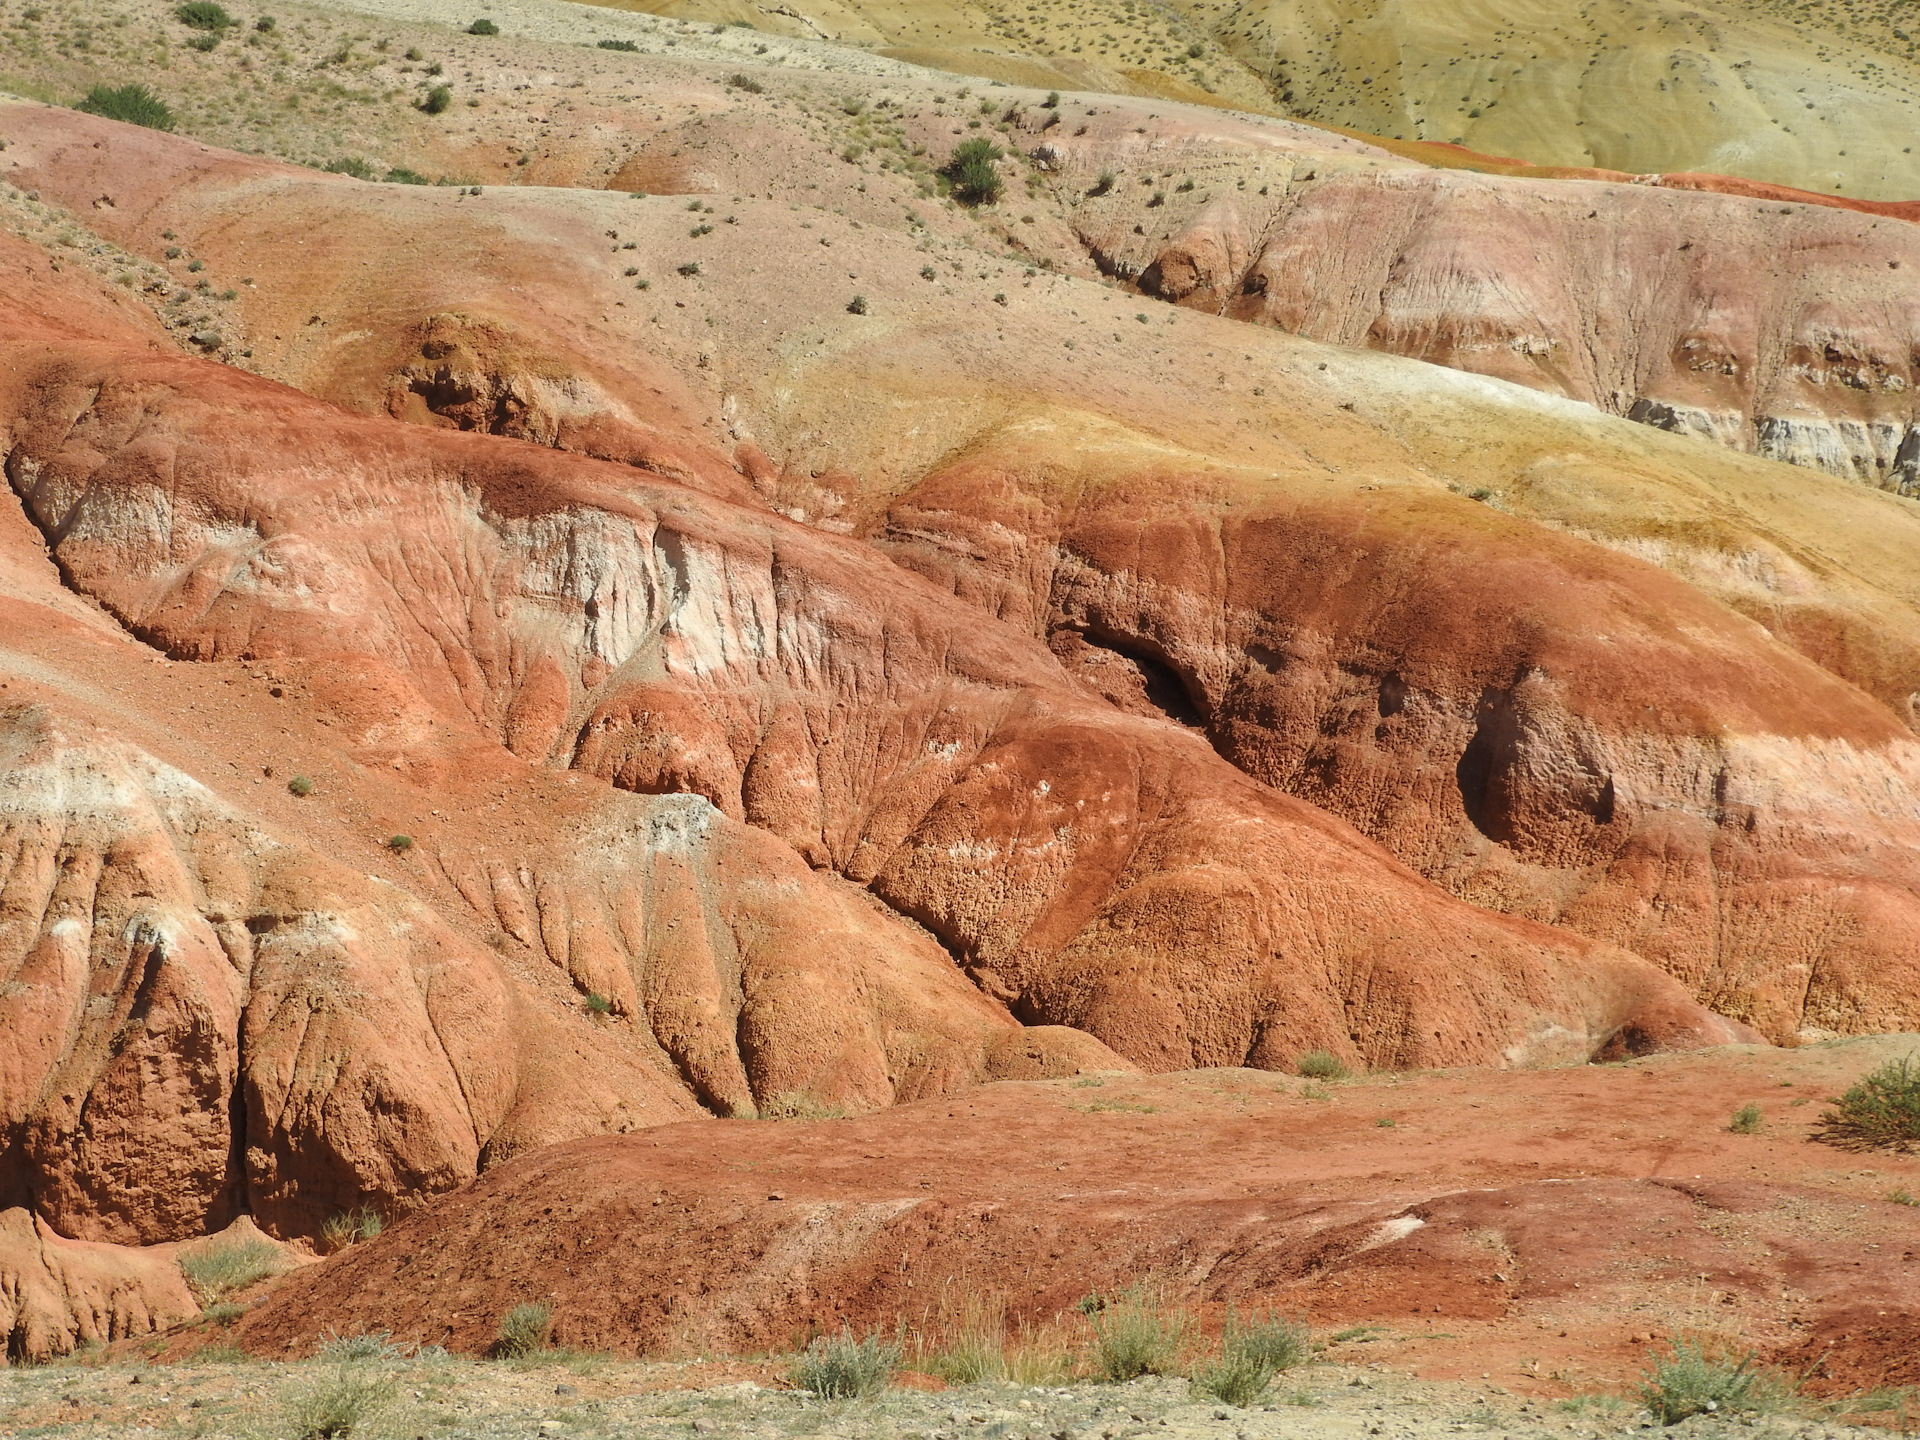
{"x": 1824, "y": 96}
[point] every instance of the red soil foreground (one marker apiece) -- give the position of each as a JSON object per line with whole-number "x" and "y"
{"x": 1540, "y": 1229}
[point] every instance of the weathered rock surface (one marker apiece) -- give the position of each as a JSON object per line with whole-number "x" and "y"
{"x": 58, "y": 1294}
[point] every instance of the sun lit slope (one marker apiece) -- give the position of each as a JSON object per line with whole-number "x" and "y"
{"x": 1128, "y": 47}
{"x": 1620, "y": 84}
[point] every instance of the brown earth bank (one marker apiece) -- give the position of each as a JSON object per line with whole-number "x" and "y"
{"x": 1504, "y": 725}
{"x": 214, "y": 1017}
{"x": 1547, "y": 1230}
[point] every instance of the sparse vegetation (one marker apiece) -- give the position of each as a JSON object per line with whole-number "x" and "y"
{"x": 483, "y": 27}
{"x": 626, "y": 45}
{"x": 523, "y": 1331}
{"x": 839, "y": 1367}
{"x": 437, "y": 100}
{"x": 598, "y": 1004}
{"x": 1690, "y": 1381}
{"x": 1881, "y": 1111}
{"x": 740, "y": 80}
{"x": 798, "y": 1105}
{"x": 300, "y": 785}
{"x": 129, "y": 104}
{"x": 1104, "y": 185}
{"x": 1136, "y": 1332}
{"x": 690, "y": 269}
{"x": 400, "y": 843}
{"x": 1321, "y": 1065}
{"x": 220, "y": 1267}
{"x": 857, "y": 305}
{"x": 1746, "y": 1120}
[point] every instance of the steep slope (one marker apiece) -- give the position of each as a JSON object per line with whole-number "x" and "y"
{"x": 1619, "y": 779}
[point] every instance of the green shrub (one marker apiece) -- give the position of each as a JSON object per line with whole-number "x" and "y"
{"x": 857, "y": 305}
{"x": 1746, "y": 1120}
{"x": 1691, "y": 1382}
{"x": 483, "y": 27}
{"x": 265, "y": 24}
{"x": 1137, "y": 1332}
{"x": 340, "y": 1405}
{"x": 400, "y": 843}
{"x": 744, "y": 81}
{"x": 1321, "y": 1065}
{"x": 401, "y": 175}
{"x": 300, "y": 785}
{"x": 204, "y": 41}
{"x": 350, "y": 165}
{"x": 1052, "y": 102}
{"x": 598, "y": 1004}
{"x": 690, "y": 269}
{"x": 1104, "y": 185}
{"x": 437, "y": 100}
{"x": 1881, "y": 1111}
{"x": 350, "y": 1227}
{"x": 218, "y": 1267}
{"x": 839, "y": 1367}
{"x": 1253, "y": 1352}
{"x": 969, "y": 170}
{"x": 523, "y": 1331}
{"x": 224, "y": 1312}
{"x": 129, "y": 104}
{"x": 627, "y": 45}
{"x": 203, "y": 15}
{"x": 1232, "y": 1380}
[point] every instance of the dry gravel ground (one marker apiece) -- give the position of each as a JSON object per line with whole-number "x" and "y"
{"x": 587, "y": 1396}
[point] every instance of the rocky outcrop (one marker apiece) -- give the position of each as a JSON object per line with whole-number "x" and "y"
{"x": 58, "y": 1295}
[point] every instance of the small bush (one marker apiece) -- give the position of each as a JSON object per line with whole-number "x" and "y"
{"x": 1321, "y": 1065}
{"x": 205, "y": 41}
{"x": 1052, "y": 102}
{"x": 266, "y": 24}
{"x": 971, "y": 174}
{"x": 1880, "y": 1111}
{"x": 626, "y": 45}
{"x": 1196, "y": 50}
{"x": 341, "y": 1405}
{"x": 350, "y": 1227}
{"x": 798, "y": 1105}
{"x": 400, "y": 844}
{"x": 1691, "y": 1382}
{"x": 437, "y": 100}
{"x": 483, "y": 27}
{"x": 215, "y": 1269}
{"x": 839, "y": 1367}
{"x": 1104, "y": 185}
{"x": 523, "y": 1332}
{"x": 1232, "y": 1380}
{"x": 203, "y": 15}
{"x": 926, "y": 272}
{"x": 690, "y": 269}
{"x": 300, "y": 785}
{"x": 1137, "y": 1332}
{"x": 857, "y": 305}
{"x": 225, "y": 1312}
{"x": 1746, "y": 1120}
{"x": 350, "y": 165}
{"x": 129, "y": 104}
{"x": 367, "y": 1345}
{"x": 746, "y": 82}
{"x": 598, "y": 1004}
{"x": 853, "y": 105}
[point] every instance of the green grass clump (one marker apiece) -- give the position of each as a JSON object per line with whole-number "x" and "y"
{"x": 340, "y": 1405}
{"x": 203, "y": 15}
{"x": 483, "y": 27}
{"x": 1746, "y": 1120}
{"x": 1879, "y": 1112}
{"x": 129, "y": 104}
{"x": 219, "y": 1267}
{"x": 598, "y": 1004}
{"x": 627, "y": 45}
{"x": 523, "y": 1331}
{"x": 1136, "y": 1332}
{"x": 970, "y": 172}
{"x": 300, "y": 785}
{"x": 1689, "y": 1381}
{"x": 437, "y": 100}
{"x": 1252, "y": 1353}
{"x": 350, "y": 1227}
{"x": 1321, "y": 1065}
{"x": 839, "y": 1367}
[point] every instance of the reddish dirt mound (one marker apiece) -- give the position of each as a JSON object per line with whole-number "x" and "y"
{"x": 1538, "y": 1227}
